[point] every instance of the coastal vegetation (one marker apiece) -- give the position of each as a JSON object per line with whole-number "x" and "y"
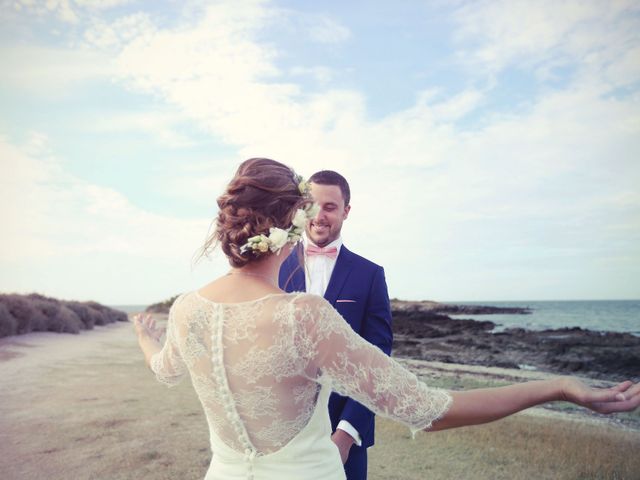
{"x": 20, "y": 314}
{"x": 161, "y": 307}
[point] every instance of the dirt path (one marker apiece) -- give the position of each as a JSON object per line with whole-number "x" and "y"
{"x": 85, "y": 407}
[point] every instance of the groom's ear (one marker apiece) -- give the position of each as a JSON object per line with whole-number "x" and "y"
{"x": 347, "y": 209}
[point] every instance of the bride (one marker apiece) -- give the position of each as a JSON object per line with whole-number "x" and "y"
{"x": 263, "y": 361}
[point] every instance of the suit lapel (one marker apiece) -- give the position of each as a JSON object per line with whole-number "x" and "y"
{"x": 344, "y": 264}
{"x": 292, "y": 276}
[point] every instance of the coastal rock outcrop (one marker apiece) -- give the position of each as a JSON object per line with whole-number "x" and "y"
{"x": 423, "y": 331}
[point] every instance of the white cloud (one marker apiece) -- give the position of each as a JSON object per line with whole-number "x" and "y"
{"x": 46, "y": 212}
{"x": 320, "y": 73}
{"x": 163, "y": 127}
{"x": 458, "y": 105}
{"x": 219, "y": 75}
{"x": 68, "y": 238}
{"x": 323, "y": 29}
{"x": 67, "y": 11}
{"x": 101, "y": 4}
{"x": 197, "y": 182}
{"x": 230, "y": 90}
{"x": 62, "y": 9}
{"x": 50, "y": 71}
{"x": 594, "y": 37}
{"x": 113, "y": 35}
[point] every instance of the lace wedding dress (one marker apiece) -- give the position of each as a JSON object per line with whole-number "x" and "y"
{"x": 263, "y": 371}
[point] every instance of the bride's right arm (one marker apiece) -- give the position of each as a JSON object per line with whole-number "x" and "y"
{"x": 361, "y": 371}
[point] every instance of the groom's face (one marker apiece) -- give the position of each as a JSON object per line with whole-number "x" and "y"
{"x": 325, "y": 228}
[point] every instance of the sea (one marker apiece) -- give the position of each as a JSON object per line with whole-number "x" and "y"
{"x": 598, "y": 315}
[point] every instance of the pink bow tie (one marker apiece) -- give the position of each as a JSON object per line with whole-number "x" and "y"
{"x": 331, "y": 252}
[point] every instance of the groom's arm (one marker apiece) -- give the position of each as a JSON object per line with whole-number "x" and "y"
{"x": 376, "y": 329}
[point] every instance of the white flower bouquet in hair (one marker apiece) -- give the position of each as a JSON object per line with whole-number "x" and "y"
{"x": 279, "y": 237}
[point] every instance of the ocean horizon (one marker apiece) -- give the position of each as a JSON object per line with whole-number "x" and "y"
{"x": 599, "y": 315}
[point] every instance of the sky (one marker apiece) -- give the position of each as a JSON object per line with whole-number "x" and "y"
{"x": 492, "y": 147}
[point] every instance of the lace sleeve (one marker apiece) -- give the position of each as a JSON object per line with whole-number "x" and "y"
{"x": 335, "y": 353}
{"x": 167, "y": 364}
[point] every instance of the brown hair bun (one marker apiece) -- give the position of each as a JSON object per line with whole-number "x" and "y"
{"x": 262, "y": 194}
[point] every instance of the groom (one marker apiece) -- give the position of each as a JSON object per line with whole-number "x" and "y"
{"x": 356, "y": 288}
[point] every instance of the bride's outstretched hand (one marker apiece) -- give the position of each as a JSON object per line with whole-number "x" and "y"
{"x": 623, "y": 397}
{"x": 145, "y": 325}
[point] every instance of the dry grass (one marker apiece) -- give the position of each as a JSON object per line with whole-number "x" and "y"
{"x": 520, "y": 447}
{"x": 98, "y": 414}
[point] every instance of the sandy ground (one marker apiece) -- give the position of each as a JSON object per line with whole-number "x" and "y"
{"x": 85, "y": 407}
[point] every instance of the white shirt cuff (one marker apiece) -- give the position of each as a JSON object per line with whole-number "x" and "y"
{"x": 348, "y": 428}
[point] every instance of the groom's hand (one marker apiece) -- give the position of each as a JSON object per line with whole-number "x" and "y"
{"x": 343, "y": 441}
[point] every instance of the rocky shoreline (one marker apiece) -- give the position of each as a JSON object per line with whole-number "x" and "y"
{"x": 425, "y": 331}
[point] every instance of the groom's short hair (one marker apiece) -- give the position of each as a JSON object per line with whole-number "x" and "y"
{"x": 329, "y": 177}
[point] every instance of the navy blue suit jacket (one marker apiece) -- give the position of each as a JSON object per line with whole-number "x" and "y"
{"x": 368, "y": 311}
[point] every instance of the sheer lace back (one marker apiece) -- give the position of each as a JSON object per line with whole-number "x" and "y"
{"x": 258, "y": 367}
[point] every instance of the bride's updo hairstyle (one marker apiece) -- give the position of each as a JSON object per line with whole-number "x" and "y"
{"x": 262, "y": 194}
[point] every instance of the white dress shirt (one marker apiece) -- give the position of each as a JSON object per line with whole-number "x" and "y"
{"x": 317, "y": 275}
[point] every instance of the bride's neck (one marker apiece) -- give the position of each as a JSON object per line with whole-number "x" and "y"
{"x": 267, "y": 269}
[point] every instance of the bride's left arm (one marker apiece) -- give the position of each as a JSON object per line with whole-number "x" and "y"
{"x": 483, "y": 405}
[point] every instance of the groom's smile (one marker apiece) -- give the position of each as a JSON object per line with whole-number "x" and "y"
{"x": 326, "y": 226}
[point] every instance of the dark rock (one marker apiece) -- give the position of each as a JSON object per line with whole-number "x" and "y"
{"x": 422, "y": 331}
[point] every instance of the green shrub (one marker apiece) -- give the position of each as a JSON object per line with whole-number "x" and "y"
{"x": 97, "y": 311}
{"x": 21, "y": 314}
{"x": 65, "y": 321}
{"x": 8, "y": 323}
{"x": 109, "y": 315}
{"x": 162, "y": 307}
{"x": 83, "y": 312}
{"x": 28, "y": 317}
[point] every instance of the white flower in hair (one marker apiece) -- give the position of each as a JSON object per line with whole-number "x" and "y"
{"x": 303, "y": 185}
{"x": 277, "y": 238}
{"x": 300, "y": 219}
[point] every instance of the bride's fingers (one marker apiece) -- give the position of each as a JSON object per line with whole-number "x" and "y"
{"x": 617, "y": 393}
{"x": 624, "y": 402}
{"x": 600, "y": 395}
{"x": 632, "y": 391}
{"x": 623, "y": 386}
{"x": 145, "y": 322}
{"x": 614, "y": 407}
